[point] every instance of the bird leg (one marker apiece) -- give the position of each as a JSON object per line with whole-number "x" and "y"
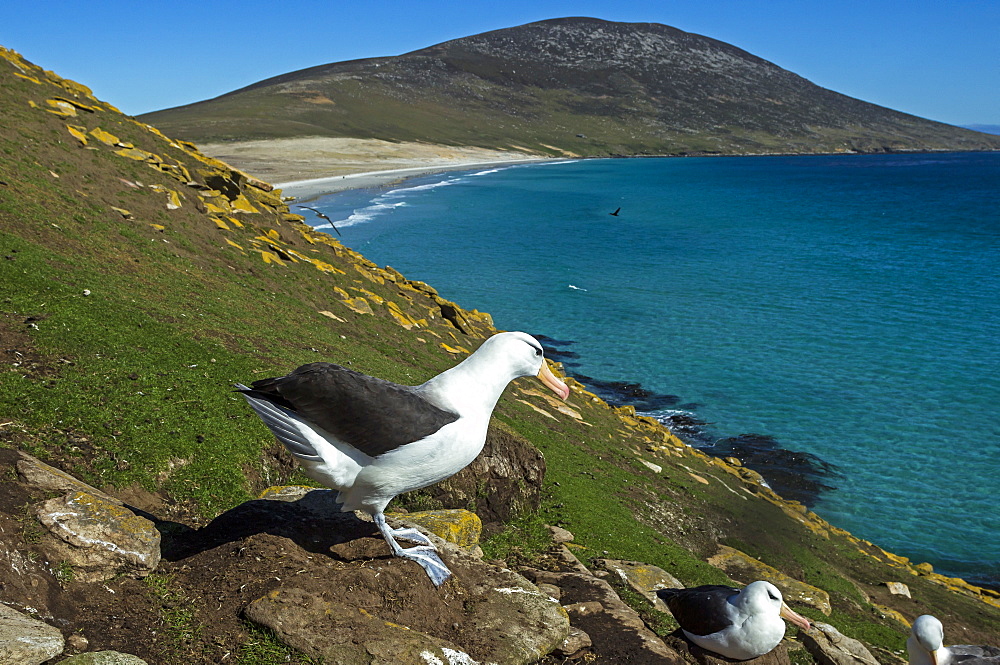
{"x": 425, "y": 554}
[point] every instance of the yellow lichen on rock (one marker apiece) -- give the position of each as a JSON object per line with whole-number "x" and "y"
{"x": 60, "y": 108}
{"x": 270, "y": 257}
{"x": 241, "y": 204}
{"x": 452, "y": 349}
{"x": 462, "y": 527}
{"x": 359, "y": 305}
{"x": 28, "y": 78}
{"x": 891, "y": 613}
{"x": 403, "y": 319}
{"x": 104, "y": 137}
{"x": 537, "y": 409}
{"x": 139, "y": 155}
{"x": 79, "y": 133}
{"x": 173, "y": 200}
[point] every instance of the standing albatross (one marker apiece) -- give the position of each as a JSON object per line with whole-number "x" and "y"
{"x": 372, "y": 439}
{"x": 925, "y": 646}
{"x": 737, "y": 624}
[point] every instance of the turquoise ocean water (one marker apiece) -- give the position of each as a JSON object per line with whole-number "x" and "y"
{"x": 842, "y": 306}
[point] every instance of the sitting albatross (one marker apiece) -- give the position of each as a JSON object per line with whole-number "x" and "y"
{"x": 925, "y": 646}
{"x": 372, "y": 439}
{"x": 736, "y": 624}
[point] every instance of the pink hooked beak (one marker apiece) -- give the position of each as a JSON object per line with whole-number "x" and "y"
{"x": 552, "y": 382}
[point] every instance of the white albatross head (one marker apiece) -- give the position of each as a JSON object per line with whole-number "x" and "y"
{"x": 522, "y": 355}
{"x": 762, "y": 597}
{"x": 925, "y": 645}
{"x": 474, "y": 385}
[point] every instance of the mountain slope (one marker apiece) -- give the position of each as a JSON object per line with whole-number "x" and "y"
{"x": 572, "y": 86}
{"x": 139, "y": 280}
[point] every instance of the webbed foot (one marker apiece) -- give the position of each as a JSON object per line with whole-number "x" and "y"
{"x": 411, "y": 536}
{"x": 424, "y": 554}
{"x": 429, "y": 560}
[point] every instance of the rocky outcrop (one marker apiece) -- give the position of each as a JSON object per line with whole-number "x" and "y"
{"x": 829, "y": 647}
{"x": 392, "y": 613}
{"x": 98, "y": 539}
{"x": 596, "y": 609}
{"x": 458, "y": 526}
{"x": 89, "y": 535}
{"x": 340, "y": 634}
{"x": 642, "y": 578}
{"x": 26, "y": 641}
{"x": 43, "y": 476}
{"x": 103, "y": 658}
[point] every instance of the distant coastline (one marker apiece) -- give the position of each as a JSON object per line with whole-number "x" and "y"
{"x": 305, "y": 190}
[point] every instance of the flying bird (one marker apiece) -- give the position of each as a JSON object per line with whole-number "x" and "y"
{"x": 371, "y": 439}
{"x": 925, "y": 646}
{"x": 615, "y": 213}
{"x": 322, "y": 216}
{"x": 736, "y": 624}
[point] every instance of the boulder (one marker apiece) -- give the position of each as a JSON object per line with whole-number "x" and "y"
{"x": 743, "y": 567}
{"x": 103, "y": 658}
{"x": 27, "y": 641}
{"x": 829, "y": 647}
{"x": 521, "y": 622}
{"x": 575, "y": 642}
{"x": 38, "y": 474}
{"x": 898, "y": 589}
{"x": 98, "y": 539}
{"x": 559, "y": 534}
{"x": 458, "y": 526}
{"x": 615, "y": 629}
{"x": 343, "y": 635}
{"x": 489, "y": 613}
{"x": 642, "y": 578}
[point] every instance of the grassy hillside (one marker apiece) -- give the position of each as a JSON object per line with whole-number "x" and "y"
{"x": 140, "y": 279}
{"x": 565, "y": 87}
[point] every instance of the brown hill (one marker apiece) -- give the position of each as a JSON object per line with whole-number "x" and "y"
{"x": 570, "y": 86}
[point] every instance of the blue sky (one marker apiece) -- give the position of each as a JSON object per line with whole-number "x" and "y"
{"x": 935, "y": 59}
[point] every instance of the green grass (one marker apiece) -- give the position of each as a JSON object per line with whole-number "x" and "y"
{"x": 262, "y": 648}
{"x": 178, "y": 616}
{"x": 661, "y": 623}
{"x": 521, "y": 541}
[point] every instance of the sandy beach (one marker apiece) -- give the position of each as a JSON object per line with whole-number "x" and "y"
{"x": 311, "y": 166}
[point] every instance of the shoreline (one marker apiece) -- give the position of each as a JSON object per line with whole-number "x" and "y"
{"x": 313, "y": 188}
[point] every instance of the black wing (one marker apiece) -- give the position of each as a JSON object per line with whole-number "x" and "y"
{"x": 700, "y": 610}
{"x": 373, "y": 415}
